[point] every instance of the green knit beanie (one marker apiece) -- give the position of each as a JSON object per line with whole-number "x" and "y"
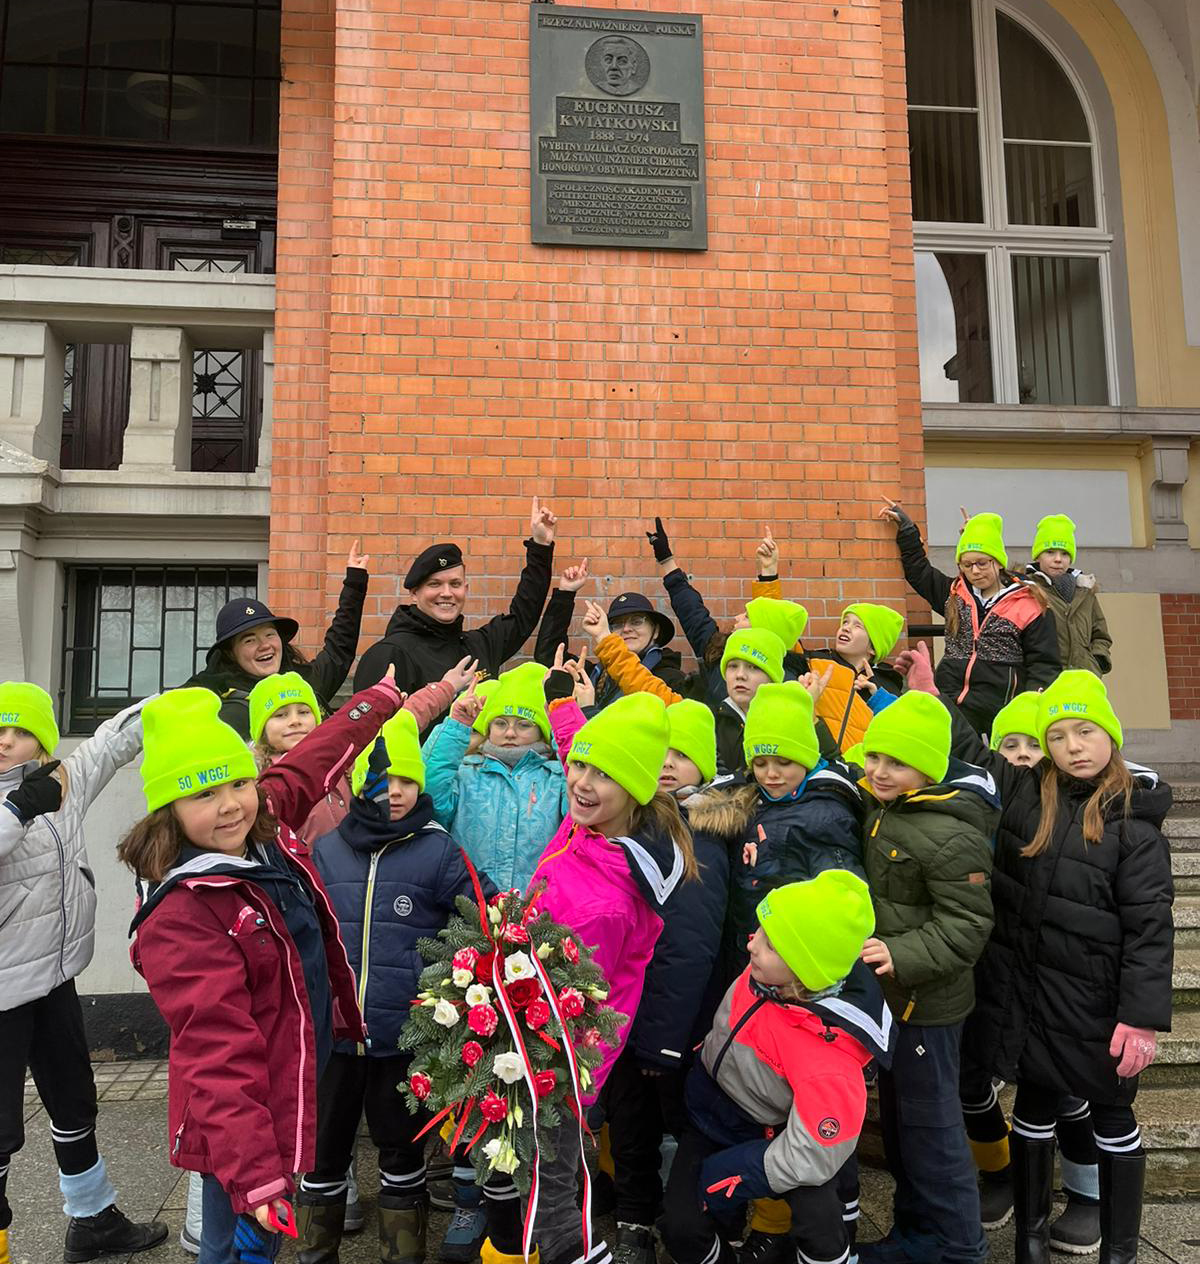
{"x": 402, "y": 742}
{"x": 1055, "y": 531}
{"x": 189, "y": 748}
{"x": 760, "y": 647}
{"x": 1077, "y": 695}
{"x": 628, "y": 740}
{"x": 915, "y": 729}
{"x": 883, "y": 625}
{"x": 693, "y": 732}
{"x": 780, "y": 722}
{"x": 984, "y": 533}
{"x": 819, "y": 927}
{"x": 29, "y": 707}
{"x": 787, "y": 619}
{"x": 281, "y": 690}
{"x": 517, "y": 692}
{"x": 1020, "y": 716}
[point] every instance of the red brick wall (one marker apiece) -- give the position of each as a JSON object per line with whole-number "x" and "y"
{"x": 772, "y": 378}
{"x": 1181, "y": 638}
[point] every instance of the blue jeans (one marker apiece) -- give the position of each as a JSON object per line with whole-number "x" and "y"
{"x": 937, "y": 1198}
{"x": 220, "y": 1219}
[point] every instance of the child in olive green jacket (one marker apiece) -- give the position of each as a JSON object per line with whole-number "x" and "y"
{"x": 928, "y": 859}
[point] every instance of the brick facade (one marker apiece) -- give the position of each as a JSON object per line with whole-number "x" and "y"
{"x": 434, "y": 369}
{"x": 1181, "y": 639}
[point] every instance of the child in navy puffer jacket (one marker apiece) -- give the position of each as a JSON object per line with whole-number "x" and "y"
{"x": 393, "y": 875}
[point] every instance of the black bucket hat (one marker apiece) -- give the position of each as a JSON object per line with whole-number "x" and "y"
{"x": 246, "y": 612}
{"x": 636, "y": 603}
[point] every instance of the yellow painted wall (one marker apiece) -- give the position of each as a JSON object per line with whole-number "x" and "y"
{"x": 1138, "y": 681}
{"x": 1168, "y": 370}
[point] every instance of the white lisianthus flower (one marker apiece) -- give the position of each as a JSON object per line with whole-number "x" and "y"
{"x": 506, "y": 1158}
{"x": 445, "y": 1014}
{"x": 517, "y": 966}
{"x": 508, "y": 1067}
{"x": 492, "y": 1149}
{"x": 463, "y": 978}
{"x": 479, "y": 994}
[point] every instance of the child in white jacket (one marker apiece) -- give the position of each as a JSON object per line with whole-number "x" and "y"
{"x": 47, "y": 929}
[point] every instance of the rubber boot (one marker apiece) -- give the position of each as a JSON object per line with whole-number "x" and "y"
{"x": 319, "y": 1227}
{"x": 5, "y": 1258}
{"x": 1122, "y": 1186}
{"x": 403, "y": 1221}
{"x": 1033, "y": 1181}
{"x": 489, "y": 1255}
{"x": 1077, "y": 1230}
{"x": 109, "y": 1233}
{"x": 995, "y": 1198}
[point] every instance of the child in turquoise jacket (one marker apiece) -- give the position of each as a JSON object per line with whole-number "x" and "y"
{"x": 504, "y": 802}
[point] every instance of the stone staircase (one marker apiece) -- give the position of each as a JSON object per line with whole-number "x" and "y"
{"x": 1168, "y": 1102}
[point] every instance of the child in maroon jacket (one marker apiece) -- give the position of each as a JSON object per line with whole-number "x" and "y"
{"x": 240, "y": 948}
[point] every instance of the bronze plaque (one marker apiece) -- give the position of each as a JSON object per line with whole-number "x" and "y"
{"x": 616, "y": 128}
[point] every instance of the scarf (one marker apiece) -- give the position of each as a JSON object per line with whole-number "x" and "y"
{"x": 511, "y": 756}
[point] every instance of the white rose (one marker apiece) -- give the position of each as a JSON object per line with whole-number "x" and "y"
{"x": 445, "y": 1013}
{"x": 517, "y": 966}
{"x": 478, "y": 994}
{"x": 508, "y": 1067}
{"x": 492, "y": 1149}
{"x": 463, "y": 978}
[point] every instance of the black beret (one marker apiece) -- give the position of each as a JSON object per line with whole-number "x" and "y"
{"x": 436, "y": 558}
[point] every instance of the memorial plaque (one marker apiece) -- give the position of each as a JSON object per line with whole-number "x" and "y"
{"x": 616, "y": 123}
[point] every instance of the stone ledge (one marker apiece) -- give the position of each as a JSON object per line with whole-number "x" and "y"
{"x": 1011, "y": 421}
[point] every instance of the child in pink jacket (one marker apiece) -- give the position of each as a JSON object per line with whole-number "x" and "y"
{"x": 608, "y": 873}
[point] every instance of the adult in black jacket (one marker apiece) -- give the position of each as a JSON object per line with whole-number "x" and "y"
{"x": 1000, "y": 638}
{"x": 426, "y": 638}
{"x": 1077, "y": 976}
{"x": 253, "y": 643}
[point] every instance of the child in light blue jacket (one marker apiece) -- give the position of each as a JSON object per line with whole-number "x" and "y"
{"x": 503, "y": 802}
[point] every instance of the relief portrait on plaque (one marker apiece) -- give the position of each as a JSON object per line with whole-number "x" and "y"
{"x": 617, "y": 65}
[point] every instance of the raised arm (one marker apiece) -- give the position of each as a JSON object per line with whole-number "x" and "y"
{"x": 556, "y": 622}
{"x": 91, "y": 765}
{"x": 621, "y": 663}
{"x": 766, "y": 578}
{"x": 445, "y": 753}
{"x": 295, "y": 783}
{"x": 500, "y": 638}
{"x": 922, "y": 576}
{"x": 328, "y": 670}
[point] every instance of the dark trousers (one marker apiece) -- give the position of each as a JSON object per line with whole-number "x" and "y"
{"x": 351, "y": 1087}
{"x": 46, "y": 1037}
{"x": 937, "y": 1197}
{"x": 693, "y": 1234}
{"x": 638, "y": 1109}
{"x": 1035, "y": 1114}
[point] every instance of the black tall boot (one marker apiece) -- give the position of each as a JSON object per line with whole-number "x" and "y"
{"x": 109, "y": 1233}
{"x": 1122, "y": 1185}
{"x": 1033, "y": 1181}
{"x": 320, "y": 1223}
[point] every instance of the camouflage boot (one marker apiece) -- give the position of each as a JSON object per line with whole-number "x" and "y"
{"x": 319, "y": 1229}
{"x": 403, "y": 1220}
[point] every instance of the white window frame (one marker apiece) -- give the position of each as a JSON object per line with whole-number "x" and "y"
{"x": 998, "y": 240}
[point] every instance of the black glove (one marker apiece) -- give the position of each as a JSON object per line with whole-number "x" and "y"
{"x": 38, "y": 795}
{"x": 905, "y": 520}
{"x": 558, "y": 684}
{"x": 659, "y": 542}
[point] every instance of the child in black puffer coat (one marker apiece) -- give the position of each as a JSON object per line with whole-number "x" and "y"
{"x": 1078, "y": 969}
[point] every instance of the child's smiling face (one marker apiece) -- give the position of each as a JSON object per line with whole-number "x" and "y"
{"x": 221, "y": 818}
{"x": 889, "y": 778}
{"x": 853, "y": 640}
{"x": 288, "y": 726}
{"x": 597, "y": 801}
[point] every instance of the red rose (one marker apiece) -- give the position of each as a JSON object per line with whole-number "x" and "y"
{"x": 523, "y": 991}
{"x": 514, "y": 934}
{"x": 465, "y": 959}
{"x": 472, "y": 1051}
{"x": 570, "y": 950}
{"x": 483, "y": 968}
{"x": 544, "y": 1082}
{"x": 571, "y": 1002}
{"x": 493, "y": 1107}
{"x": 421, "y": 1086}
{"x": 482, "y": 1020}
{"x": 537, "y": 1014}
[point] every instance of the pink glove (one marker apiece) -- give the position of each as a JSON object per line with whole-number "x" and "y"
{"x": 1135, "y": 1046}
{"x": 917, "y": 669}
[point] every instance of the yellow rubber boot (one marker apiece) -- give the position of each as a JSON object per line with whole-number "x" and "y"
{"x": 990, "y": 1156}
{"x": 489, "y": 1255}
{"x": 771, "y": 1215}
{"x": 5, "y": 1258}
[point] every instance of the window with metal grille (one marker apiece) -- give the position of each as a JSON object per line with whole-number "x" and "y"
{"x": 130, "y": 631}
{"x": 187, "y": 72}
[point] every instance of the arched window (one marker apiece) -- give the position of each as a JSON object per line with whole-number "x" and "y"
{"x": 1013, "y": 249}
